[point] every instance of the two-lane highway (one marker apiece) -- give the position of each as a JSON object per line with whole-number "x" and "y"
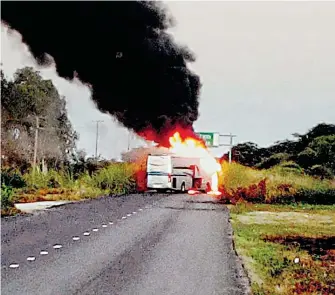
{"x": 129, "y": 245}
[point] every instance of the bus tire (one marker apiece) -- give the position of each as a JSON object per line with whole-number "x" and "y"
{"x": 208, "y": 187}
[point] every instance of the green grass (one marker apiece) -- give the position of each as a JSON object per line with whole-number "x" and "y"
{"x": 271, "y": 265}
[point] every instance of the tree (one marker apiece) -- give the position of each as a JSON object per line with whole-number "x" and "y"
{"x": 24, "y": 99}
{"x": 324, "y": 147}
{"x": 321, "y": 129}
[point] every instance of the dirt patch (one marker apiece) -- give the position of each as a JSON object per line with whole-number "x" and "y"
{"x": 266, "y": 217}
{"x": 318, "y": 248}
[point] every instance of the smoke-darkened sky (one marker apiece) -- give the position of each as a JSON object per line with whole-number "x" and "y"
{"x": 267, "y": 70}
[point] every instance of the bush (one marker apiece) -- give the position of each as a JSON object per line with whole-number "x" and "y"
{"x": 273, "y": 160}
{"x": 13, "y": 178}
{"x": 319, "y": 196}
{"x": 290, "y": 167}
{"x": 51, "y": 179}
{"x": 320, "y": 171}
{"x": 6, "y": 197}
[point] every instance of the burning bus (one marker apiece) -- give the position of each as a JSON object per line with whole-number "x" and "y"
{"x": 186, "y": 166}
{"x": 172, "y": 172}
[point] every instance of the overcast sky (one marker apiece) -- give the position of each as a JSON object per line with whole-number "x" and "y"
{"x": 267, "y": 68}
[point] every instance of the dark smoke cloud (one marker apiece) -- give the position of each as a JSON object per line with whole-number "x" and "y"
{"x": 137, "y": 72}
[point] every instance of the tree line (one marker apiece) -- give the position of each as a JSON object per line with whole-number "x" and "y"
{"x": 312, "y": 153}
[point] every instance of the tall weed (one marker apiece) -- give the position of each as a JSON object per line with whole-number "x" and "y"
{"x": 116, "y": 178}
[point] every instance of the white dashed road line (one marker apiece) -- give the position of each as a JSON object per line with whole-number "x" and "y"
{"x": 75, "y": 238}
{"x": 14, "y": 265}
{"x": 57, "y": 246}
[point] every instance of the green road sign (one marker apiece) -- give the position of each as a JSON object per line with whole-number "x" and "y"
{"x": 211, "y": 138}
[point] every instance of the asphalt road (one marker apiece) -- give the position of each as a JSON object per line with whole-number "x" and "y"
{"x": 151, "y": 244}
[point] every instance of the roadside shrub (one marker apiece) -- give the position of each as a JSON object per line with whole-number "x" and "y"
{"x": 6, "y": 197}
{"x": 36, "y": 179}
{"x": 320, "y": 171}
{"x": 117, "y": 178}
{"x": 12, "y": 177}
{"x": 322, "y": 196}
{"x": 51, "y": 179}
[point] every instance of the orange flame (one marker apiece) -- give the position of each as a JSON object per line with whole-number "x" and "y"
{"x": 192, "y": 147}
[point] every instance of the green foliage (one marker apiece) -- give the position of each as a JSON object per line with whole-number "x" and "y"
{"x": 273, "y": 160}
{"x": 321, "y": 171}
{"x": 290, "y": 167}
{"x": 248, "y": 154}
{"x": 317, "y": 195}
{"x": 324, "y": 147}
{"x": 116, "y": 178}
{"x": 307, "y": 157}
{"x": 6, "y": 196}
{"x": 52, "y": 179}
{"x": 11, "y": 177}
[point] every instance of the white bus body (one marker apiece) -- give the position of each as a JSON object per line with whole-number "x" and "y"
{"x": 170, "y": 172}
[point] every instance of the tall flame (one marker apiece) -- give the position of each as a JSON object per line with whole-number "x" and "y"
{"x": 191, "y": 147}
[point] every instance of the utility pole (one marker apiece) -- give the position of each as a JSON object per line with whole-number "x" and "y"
{"x": 96, "y": 139}
{"x": 230, "y": 144}
{"x": 36, "y": 142}
{"x": 130, "y": 137}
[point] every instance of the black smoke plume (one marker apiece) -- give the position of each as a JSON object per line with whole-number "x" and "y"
{"x": 136, "y": 71}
